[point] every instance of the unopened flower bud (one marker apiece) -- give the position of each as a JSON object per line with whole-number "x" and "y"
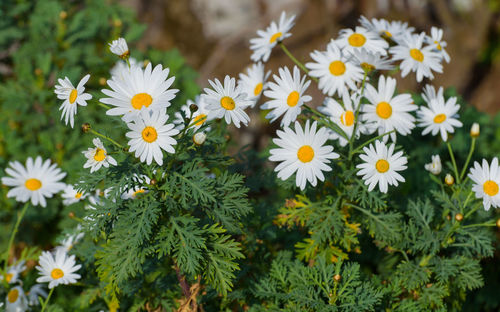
{"x": 120, "y": 48}
{"x": 153, "y": 182}
{"x": 193, "y": 108}
{"x": 435, "y": 166}
{"x": 71, "y": 214}
{"x": 86, "y": 127}
{"x": 459, "y": 217}
{"x": 449, "y": 180}
{"x": 199, "y": 138}
{"x": 102, "y": 81}
{"x": 498, "y": 223}
{"x": 474, "y": 130}
{"x": 63, "y": 14}
{"x": 337, "y": 278}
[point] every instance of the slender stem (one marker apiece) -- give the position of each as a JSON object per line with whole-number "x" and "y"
{"x": 476, "y": 207}
{"x": 299, "y": 64}
{"x": 457, "y": 177}
{"x": 473, "y": 144}
{"x": 14, "y": 232}
{"x": 103, "y": 105}
{"x": 356, "y": 118}
{"x": 128, "y": 62}
{"x": 479, "y": 224}
{"x": 467, "y": 200}
{"x": 370, "y": 141}
{"x": 48, "y": 298}
{"x": 106, "y": 137}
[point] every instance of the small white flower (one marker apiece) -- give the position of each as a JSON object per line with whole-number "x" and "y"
{"x": 474, "y": 130}
{"x": 486, "y": 180}
{"x": 435, "y": 166}
{"x": 199, "y": 138}
{"x": 35, "y": 182}
{"x": 197, "y": 118}
{"x": 97, "y": 157}
{"x": 135, "y": 191}
{"x": 120, "y": 48}
{"x": 439, "y": 45}
{"x": 394, "y": 30}
{"x": 36, "y": 291}
{"x": 13, "y": 272}
{"x": 150, "y": 135}
{"x": 71, "y": 196}
{"x": 439, "y": 117}
{"x": 57, "y": 270}
{"x": 360, "y": 38}
{"x": 369, "y": 61}
{"x": 254, "y": 83}
{"x": 304, "y": 152}
{"x": 430, "y": 93}
{"x": 122, "y": 66}
{"x": 69, "y": 241}
{"x": 287, "y": 96}
{"x": 267, "y": 40}
{"x": 16, "y": 300}
{"x": 72, "y": 98}
{"x": 381, "y": 166}
{"x": 227, "y": 101}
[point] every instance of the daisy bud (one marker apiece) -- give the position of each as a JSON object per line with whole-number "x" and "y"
{"x": 71, "y": 214}
{"x": 459, "y": 217}
{"x": 153, "y": 182}
{"x": 102, "y": 81}
{"x": 498, "y": 223}
{"x": 193, "y": 108}
{"x": 449, "y": 180}
{"x": 199, "y": 138}
{"x": 120, "y": 48}
{"x": 337, "y": 278}
{"x": 86, "y": 127}
{"x": 435, "y": 166}
{"x": 63, "y": 15}
{"x": 474, "y": 130}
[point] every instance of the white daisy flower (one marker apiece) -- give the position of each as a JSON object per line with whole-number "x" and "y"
{"x": 227, "y": 101}
{"x": 69, "y": 241}
{"x": 430, "y": 93}
{"x": 304, "y": 152}
{"x": 35, "y": 182}
{"x": 71, "y": 196}
{"x": 369, "y": 61}
{"x": 13, "y": 272}
{"x": 394, "y": 30}
{"x": 334, "y": 70}
{"x": 439, "y": 45}
{"x": 287, "y": 96}
{"x": 254, "y": 83}
{"x": 487, "y": 181}
{"x": 137, "y": 190}
{"x": 267, "y": 40}
{"x": 415, "y": 58}
{"x": 120, "y": 48}
{"x": 435, "y": 166}
{"x": 16, "y": 300}
{"x": 386, "y": 111}
{"x": 57, "y": 270}
{"x": 122, "y": 66}
{"x": 97, "y": 157}
{"x": 72, "y": 98}
{"x": 381, "y": 166}
{"x": 360, "y": 38}
{"x": 150, "y": 134}
{"x": 139, "y": 90}
{"x": 197, "y": 118}
{"x": 439, "y": 116}
{"x": 36, "y": 291}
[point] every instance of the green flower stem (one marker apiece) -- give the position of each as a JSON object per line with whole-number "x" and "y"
{"x": 479, "y": 225}
{"x": 299, "y": 64}
{"x": 457, "y": 177}
{"x": 474, "y": 209}
{"x": 14, "y": 232}
{"x": 48, "y": 298}
{"x": 356, "y": 121}
{"x": 106, "y": 137}
{"x": 358, "y": 149}
{"x": 471, "y": 151}
{"x": 103, "y": 105}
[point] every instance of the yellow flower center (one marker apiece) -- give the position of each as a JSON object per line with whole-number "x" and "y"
{"x": 384, "y": 110}
{"x": 382, "y": 165}
{"x": 305, "y": 153}
{"x": 33, "y": 184}
{"x": 78, "y": 195}
{"x": 439, "y": 118}
{"x": 356, "y": 40}
{"x": 490, "y": 188}
{"x": 258, "y": 89}
{"x": 292, "y": 99}
{"x": 417, "y": 55}
{"x": 72, "y": 96}
{"x": 99, "y": 154}
{"x": 149, "y": 134}
{"x": 13, "y": 295}
{"x": 8, "y": 277}
{"x": 387, "y": 33}
{"x": 138, "y": 192}
{"x": 57, "y": 273}
{"x": 227, "y": 103}
{"x": 141, "y": 99}
{"x": 275, "y": 37}
{"x": 347, "y": 118}
{"x": 438, "y": 46}
{"x": 367, "y": 67}
{"x": 337, "y": 68}
{"x": 199, "y": 120}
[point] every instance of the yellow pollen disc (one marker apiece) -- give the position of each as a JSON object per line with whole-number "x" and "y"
{"x": 439, "y": 118}
{"x": 72, "y": 96}
{"x": 275, "y": 37}
{"x": 417, "y": 55}
{"x": 78, "y": 195}
{"x": 200, "y": 119}
{"x": 347, "y": 118}
{"x": 305, "y": 154}
{"x": 258, "y": 89}
{"x": 33, "y": 184}
{"x": 99, "y": 155}
{"x": 356, "y": 40}
{"x": 8, "y": 277}
{"x": 292, "y": 99}
{"x": 367, "y": 67}
{"x": 388, "y": 34}
{"x": 227, "y": 103}
{"x": 382, "y": 165}
{"x": 149, "y": 134}
{"x": 490, "y": 188}
{"x": 337, "y": 68}
{"x": 57, "y": 273}
{"x": 384, "y": 110}
{"x": 141, "y": 99}
{"x": 138, "y": 192}
{"x": 13, "y": 295}
{"x": 438, "y": 46}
